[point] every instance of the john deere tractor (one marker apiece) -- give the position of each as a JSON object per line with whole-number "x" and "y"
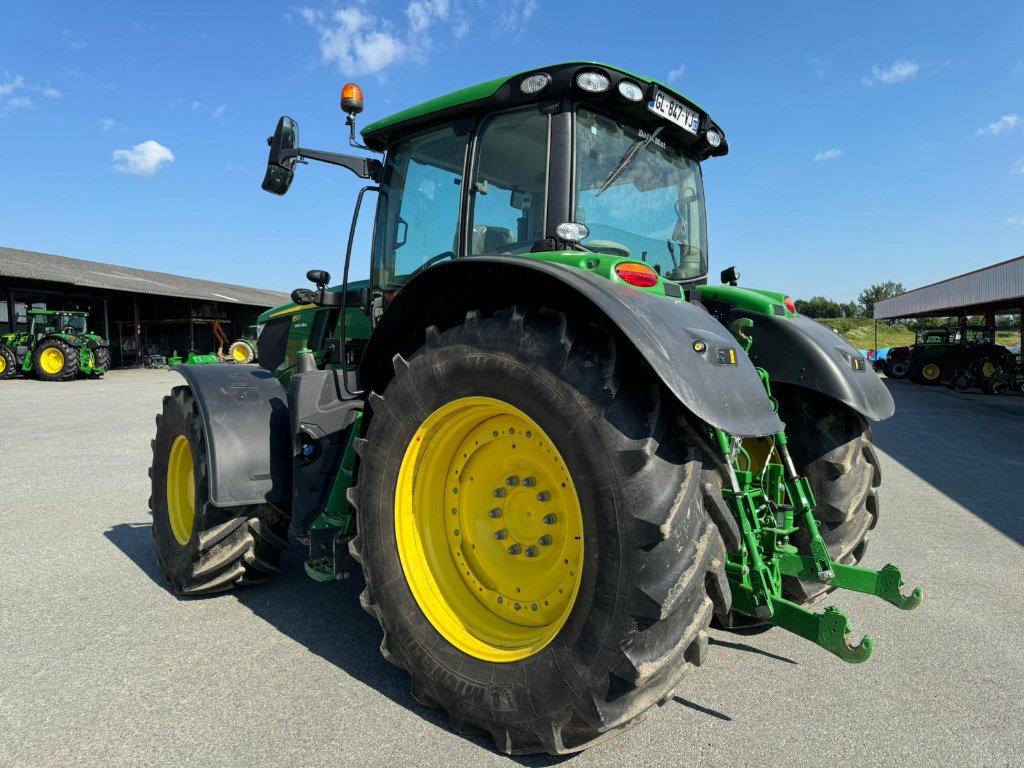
{"x": 57, "y": 347}
{"x": 554, "y": 449}
{"x": 959, "y": 356}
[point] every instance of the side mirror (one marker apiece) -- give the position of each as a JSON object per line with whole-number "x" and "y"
{"x": 730, "y": 275}
{"x": 303, "y": 296}
{"x": 319, "y": 277}
{"x": 283, "y": 154}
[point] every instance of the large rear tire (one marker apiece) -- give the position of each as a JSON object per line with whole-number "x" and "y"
{"x": 831, "y": 445}
{"x": 202, "y": 548}
{"x": 8, "y": 362}
{"x": 55, "y": 360}
{"x": 556, "y": 649}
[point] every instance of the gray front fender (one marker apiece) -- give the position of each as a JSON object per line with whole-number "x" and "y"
{"x": 244, "y": 410}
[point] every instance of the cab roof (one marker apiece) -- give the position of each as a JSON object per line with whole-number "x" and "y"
{"x": 504, "y": 92}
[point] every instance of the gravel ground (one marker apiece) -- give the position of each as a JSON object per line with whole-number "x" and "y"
{"x": 101, "y": 665}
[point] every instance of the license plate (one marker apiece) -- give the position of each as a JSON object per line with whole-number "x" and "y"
{"x": 664, "y": 105}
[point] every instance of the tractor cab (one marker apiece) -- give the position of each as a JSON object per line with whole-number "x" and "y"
{"x": 932, "y": 336}
{"x": 45, "y": 321}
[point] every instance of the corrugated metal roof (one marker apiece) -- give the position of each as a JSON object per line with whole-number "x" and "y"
{"x": 92, "y": 274}
{"x": 997, "y": 288}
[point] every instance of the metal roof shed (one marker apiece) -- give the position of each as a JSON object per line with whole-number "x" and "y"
{"x": 992, "y": 290}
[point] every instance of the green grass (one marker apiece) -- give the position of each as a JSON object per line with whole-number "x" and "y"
{"x": 861, "y": 333}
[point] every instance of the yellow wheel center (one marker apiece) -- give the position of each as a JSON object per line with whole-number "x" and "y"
{"x": 181, "y": 490}
{"x": 489, "y": 529}
{"x": 240, "y": 353}
{"x": 52, "y": 360}
{"x": 930, "y": 371}
{"x": 988, "y": 369}
{"x": 3, "y": 363}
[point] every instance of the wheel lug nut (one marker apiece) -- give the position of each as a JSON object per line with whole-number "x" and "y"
{"x": 529, "y": 482}
{"x": 515, "y": 549}
{"x": 544, "y": 541}
{"x": 495, "y": 513}
{"x": 502, "y": 534}
{"x": 499, "y": 493}
{"x": 531, "y": 552}
{"x": 511, "y": 480}
{"x": 550, "y": 519}
{"x": 543, "y": 496}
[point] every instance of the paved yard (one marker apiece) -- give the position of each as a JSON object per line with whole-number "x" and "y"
{"x": 101, "y": 665}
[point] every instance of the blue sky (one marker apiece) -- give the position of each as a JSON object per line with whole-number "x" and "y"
{"x": 869, "y": 141}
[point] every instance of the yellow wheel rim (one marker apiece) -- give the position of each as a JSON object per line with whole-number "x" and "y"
{"x": 3, "y": 363}
{"x": 988, "y": 369}
{"x": 181, "y": 490}
{"x": 240, "y": 353}
{"x": 931, "y": 371}
{"x": 489, "y": 529}
{"x": 52, "y": 360}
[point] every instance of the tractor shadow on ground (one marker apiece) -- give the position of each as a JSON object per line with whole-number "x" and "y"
{"x": 966, "y": 445}
{"x": 327, "y": 619}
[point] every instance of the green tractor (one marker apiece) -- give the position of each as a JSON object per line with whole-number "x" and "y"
{"x": 57, "y": 347}
{"x": 968, "y": 354}
{"x": 555, "y": 451}
{"x": 245, "y": 350}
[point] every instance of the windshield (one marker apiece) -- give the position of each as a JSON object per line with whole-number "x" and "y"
{"x": 72, "y": 323}
{"x": 639, "y": 196}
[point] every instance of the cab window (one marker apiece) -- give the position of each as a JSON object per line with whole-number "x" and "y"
{"x": 418, "y": 216}
{"x": 508, "y": 195}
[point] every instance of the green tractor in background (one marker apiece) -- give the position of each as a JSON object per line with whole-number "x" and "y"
{"x": 961, "y": 356}
{"x": 56, "y": 347}
{"x": 245, "y": 351}
{"x": 555, "y": 451}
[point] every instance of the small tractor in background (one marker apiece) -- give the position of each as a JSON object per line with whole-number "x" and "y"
{"x": 966, "y": 355}
{"x": 896, "y": 362}
{"x": 245, "y": 351}
{"x": 554, "y": 449}
{"x": 56, "y": 347}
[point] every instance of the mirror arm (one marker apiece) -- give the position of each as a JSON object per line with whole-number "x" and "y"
{"x": 363, "y": 167}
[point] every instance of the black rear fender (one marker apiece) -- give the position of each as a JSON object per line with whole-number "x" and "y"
{"x": 804, "y": 353}
{"x": 244, "y": 411}
{"x": 664, "y": 332}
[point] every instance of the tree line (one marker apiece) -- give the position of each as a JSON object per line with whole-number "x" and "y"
{"x": 864, "y": 306}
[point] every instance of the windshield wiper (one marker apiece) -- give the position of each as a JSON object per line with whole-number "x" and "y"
{"x": 638, "y": 146}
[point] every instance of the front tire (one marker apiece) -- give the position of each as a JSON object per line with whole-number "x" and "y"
{"x": 928, "y": 370}
{"x": 202, "y": 548}
{"x": 630, "y": 576}
{"x": 831, "y": 445}
{"x": 102, "y": 357}
{"x": 241, "y": 352}
{"x": 897, "y": 369}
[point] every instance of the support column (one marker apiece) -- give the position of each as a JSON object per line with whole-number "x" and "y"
{"x": 138, "y": 329}
{"x": 106, "y": 320}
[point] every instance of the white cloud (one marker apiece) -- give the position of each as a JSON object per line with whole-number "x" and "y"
{"x": 196, "y": 104}
{"x": 1017, "y": 220}
{"x": 143, "y": 159}
{"x": 828, "y": 154}
{"x": 516, "y": 13}
{"x": 1004, "y": 123}
{"x": 1018, "y": 168}
{"x": 358, "y": 43}
{"x": 75, "y": 41}
{"x": 423, "y": 13}
{"x": 899, "y": 71}
{"x": 107, "y": 123}
{"x": 11, "y": 84}
{"x": 220, "y": 110}
{"x": 51, "y": 93}
{"x": 20, "y": 102}
{"x": 675, "y": 74}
